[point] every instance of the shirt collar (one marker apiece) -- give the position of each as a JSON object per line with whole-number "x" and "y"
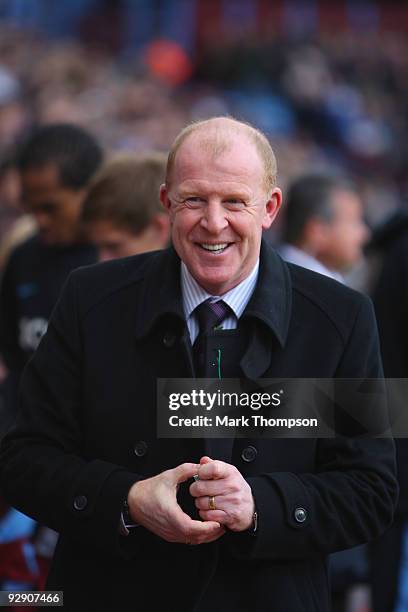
{"x": 293, "y": 254}
{"x": 271, "y": 300}
{"x": 237, "y": 298}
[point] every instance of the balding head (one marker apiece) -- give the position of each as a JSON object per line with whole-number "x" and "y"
{"x": 220, "y": 195}
{"x": 216, "y": 137}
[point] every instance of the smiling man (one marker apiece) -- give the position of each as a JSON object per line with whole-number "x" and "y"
{"x": 254, "y": 528}
{"x": 218, "y": 215}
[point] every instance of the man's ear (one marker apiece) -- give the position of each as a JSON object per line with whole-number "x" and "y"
{"x": 272, "y": 208}
{"x": 164, "y": 197}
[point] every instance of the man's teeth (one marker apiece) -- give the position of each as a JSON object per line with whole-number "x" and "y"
{"x": 215, "y": 247}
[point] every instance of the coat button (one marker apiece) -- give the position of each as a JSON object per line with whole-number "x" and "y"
{"x": 169, "y": 339}
{"x": 249, "y": 454}
{"x": 80, "y": 502}
{"x": 300, "y": 515}
{"x": 140, "y": 448}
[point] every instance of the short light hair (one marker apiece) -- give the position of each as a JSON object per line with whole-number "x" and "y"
{"x": 216, "y": 132}
{"x": 126, "y": 191}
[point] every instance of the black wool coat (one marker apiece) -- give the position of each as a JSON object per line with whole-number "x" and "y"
{"x": 87, "y": 431}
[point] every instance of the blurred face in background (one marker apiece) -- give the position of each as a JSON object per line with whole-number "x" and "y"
{"x": 343, "y": 237}
{"x": 10, "y": 189}
{"x": 113, "y": 240}
{"x": 55, "y": 207}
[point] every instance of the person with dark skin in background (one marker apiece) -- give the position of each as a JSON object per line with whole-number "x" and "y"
{"x": 55, "y": 165}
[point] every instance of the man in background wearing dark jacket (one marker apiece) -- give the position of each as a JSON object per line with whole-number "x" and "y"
{"x": 55, "y": 165}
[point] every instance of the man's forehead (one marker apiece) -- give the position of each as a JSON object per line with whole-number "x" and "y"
{"x": 207, "y": 153}
{"x": 37, "y": 179}
{"x": 217, "y": 138}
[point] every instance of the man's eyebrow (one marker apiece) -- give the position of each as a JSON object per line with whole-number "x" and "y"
{"x": 235, "y": 193}
{"x": 187, "y": 192}
{"x": 226, "y": 193}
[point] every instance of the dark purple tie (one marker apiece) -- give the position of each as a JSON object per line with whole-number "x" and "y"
{"x": 209, "y": 315}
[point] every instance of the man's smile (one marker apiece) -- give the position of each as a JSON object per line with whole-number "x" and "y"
{"x": 215, "y": 249}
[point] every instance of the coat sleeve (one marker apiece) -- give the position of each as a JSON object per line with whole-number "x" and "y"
{"x": 44, "y": 471}
{"x": 9, "y": 346}
{"x": 351, "y": 496}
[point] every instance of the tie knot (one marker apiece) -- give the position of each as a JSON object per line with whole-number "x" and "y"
{"x": 211, "y": 314}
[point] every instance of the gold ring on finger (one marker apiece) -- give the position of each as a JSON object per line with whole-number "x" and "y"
{"x": 211, "y": 503}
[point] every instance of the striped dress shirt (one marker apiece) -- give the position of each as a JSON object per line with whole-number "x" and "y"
{"x": 236, "y": 298}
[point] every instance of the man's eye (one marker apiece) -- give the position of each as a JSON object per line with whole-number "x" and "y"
{"x": 194, "y": 201}
{"x": 234, "y": 203}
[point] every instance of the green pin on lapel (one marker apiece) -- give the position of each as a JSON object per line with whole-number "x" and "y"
{"x": 219, "y": 363}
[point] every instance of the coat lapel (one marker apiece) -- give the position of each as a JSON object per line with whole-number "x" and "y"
{"x": 268, "y": 313}
{"x": 161, "y": 292}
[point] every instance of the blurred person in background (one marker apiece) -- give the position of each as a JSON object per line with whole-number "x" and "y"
{"x": 10, "y": 201}
{"x": 122, "y": 212}
{"x": 389, "y": 553}
{"x": 15, "y": 227}
{"x": 324, "y": 229}
{"x": 55, "y": 165}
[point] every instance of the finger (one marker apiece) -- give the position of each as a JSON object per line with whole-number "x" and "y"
{"x": 183, "y": 472}
{"x": 203, "y": 488}
{"x": 176, "y": 526}
{"x": 191, "y": 528}
{"x": 210, "y": 538}
{"x": 215, "y": 515}
{"x": 201, "y": 529}
{"x": 214, "y": 470}
{"x": 203, "y": 503}
{"x": 205, "y": 460}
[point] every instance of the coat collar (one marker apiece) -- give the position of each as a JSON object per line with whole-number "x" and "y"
{"x": 161, "y": 294}
{"x": 270, "y": 306}
{"x": 270, "y": 302}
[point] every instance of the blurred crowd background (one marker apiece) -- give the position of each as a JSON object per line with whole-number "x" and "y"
{"x": 327, "y": 81}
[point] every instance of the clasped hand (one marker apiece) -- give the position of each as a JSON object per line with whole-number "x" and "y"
{"x": 153, "y": 502}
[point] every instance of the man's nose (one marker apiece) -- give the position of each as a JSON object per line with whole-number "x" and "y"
{"x": 214, "y": 218}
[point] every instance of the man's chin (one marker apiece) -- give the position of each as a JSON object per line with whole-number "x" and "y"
{"x": 215, "y": 284}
